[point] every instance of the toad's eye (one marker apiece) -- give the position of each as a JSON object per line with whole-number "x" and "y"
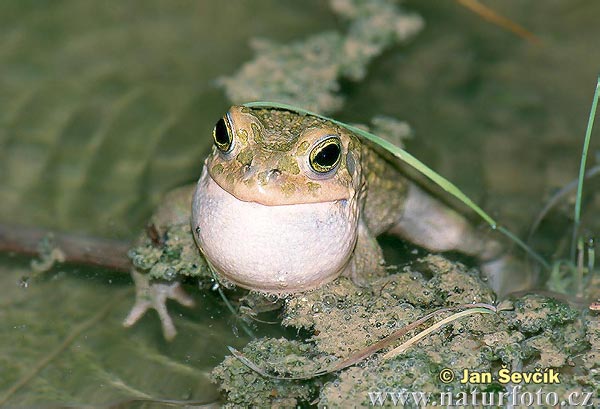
{"x": 222, "y": 136}
{"x": 326, "y": 154}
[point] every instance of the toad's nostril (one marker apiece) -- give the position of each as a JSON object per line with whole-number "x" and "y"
{"x": 273, "y": 174}
{"x": 248, "y": 172}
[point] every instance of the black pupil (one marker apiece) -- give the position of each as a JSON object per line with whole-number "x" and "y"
{"x": 328, "y": 156}
{"x": 221, "y": 134}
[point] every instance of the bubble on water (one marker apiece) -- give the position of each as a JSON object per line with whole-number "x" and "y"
{"x": 170, "y": 273}
{"x": 329, "y": 300}
{"x": 24, "y": 282}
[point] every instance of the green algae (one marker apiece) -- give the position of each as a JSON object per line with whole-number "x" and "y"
{"x": 245, "y": 387}
{"x": 176, "y": 256}
{"x": 339, "y": 319}
{"x": 307, "y": 73}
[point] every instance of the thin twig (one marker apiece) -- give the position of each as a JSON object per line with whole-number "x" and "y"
{"x": 493, "y": 17}
{"x": 76, "y": 249}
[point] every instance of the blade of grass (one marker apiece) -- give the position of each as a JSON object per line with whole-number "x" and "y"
{"x": 387, "y": 341}
{"x": 524, "y": 246}
{"x": 586, "y": 145}
{"x": 580, "y": 257}
{"x": 415, "y": 163}
{"x": 400, "y": 349}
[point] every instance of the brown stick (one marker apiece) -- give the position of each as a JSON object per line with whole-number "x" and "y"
{"x": 490, "y": 15}
{"x": 75, "y": 248}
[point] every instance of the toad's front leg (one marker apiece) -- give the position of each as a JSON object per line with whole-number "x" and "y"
{"x": 165, "y": 252}
{"x": 154, "y": 295}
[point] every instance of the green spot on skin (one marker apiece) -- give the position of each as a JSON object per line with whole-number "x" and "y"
{"x": 217, "y": 169}
{"x": 288, "y": 188}
{"x": 262, "y": 178}
{"x": 302, "y": 148}
{"x": 243, "y": 136}
{"x": 245, "y": 156}
{"x": 288, "y": 164}
{"x": 313, "y": 187}
{"x": 256, "y": 133}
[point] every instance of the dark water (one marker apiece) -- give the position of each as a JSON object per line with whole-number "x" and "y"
{"x": 105, "y": 107}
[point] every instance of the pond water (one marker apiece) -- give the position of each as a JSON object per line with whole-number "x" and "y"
{"x": 106, "y": 106}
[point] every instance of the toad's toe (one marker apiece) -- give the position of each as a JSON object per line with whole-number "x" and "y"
{"x": 154, "y": 295}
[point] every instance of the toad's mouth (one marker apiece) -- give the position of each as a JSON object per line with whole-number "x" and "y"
{"x": 282, "y": 249}
{"x": 291, "y": 190}
{"x": 270, "y": 196}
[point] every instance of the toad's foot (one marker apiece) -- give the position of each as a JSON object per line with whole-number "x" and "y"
{"x": 154, "y": 295}
{"x": 507, "y": 274}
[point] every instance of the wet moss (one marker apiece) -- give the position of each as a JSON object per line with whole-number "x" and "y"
{"x": 176, "y": 255}
{"x": 307, "y": 73}
{"x": 535, "y": 313}
{"x": 351, "y": 388}
{"x": 339, "y": 319}
{"x": 246, "y": 388}
{"x": 590, "y": 359}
